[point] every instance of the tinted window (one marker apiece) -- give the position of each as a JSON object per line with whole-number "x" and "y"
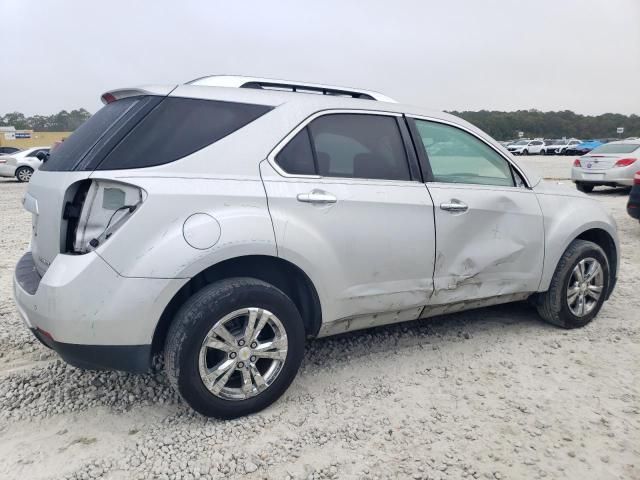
{"x": 458, "y": 157}
{"x": 359, "y": 146}
{"x": 70, "y": 152}
{"x": 177, "y": 127}
{"x": 296, "y": 157}
{"x": 616, "y": 148}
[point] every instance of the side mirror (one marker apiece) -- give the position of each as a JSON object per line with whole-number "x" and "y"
{"x": 42, "y": 156}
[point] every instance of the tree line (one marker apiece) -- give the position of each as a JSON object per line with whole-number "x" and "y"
{"x": 500, "y": 125}
{"x": 537, "y": 124}
{"x": 62, "y": 121}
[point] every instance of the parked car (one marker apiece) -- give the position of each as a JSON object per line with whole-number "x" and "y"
{"x": 22, "y": 164}
{"x": 559, "y": 147}
{"x": 612, "y": 164}
{"x": 633, "y": 205}
{"x": 526, "y": 147}
{"x": 8, "y": 150}
{"x": 583, "y": 147}
{"x": 224, "y": 221}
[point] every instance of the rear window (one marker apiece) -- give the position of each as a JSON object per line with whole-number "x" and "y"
{"x": 179, "y": 127}
{"x": 616, "y": 148}
{"x": 145, "y": 131}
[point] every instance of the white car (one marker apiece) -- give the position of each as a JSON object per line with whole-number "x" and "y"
{"x": 558, "y": 147}
{"x": 527, "y": 147}
{"x": 612, "y": 164}
{"x": 223, "y": 225}
{"x": 23, "y": 163}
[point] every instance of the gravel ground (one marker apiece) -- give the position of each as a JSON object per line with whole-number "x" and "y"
{"x": 491, "y": 393}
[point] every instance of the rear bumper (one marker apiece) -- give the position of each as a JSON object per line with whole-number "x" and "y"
{"x": 90, "y": 315}
{"x": 127, "y": 358}
{"x": 611, "y": 176}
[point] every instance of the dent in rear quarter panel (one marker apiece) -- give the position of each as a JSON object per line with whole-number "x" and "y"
{"x": 152, "y": 243}
{"x": 565, "y": 218}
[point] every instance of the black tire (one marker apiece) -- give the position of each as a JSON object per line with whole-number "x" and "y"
{"x": 199, "y": 314}
{"x": 525, "y": 152}
{"x": 23, "y": 174}
{"x": 552, "y": 305}
{"x": 584, "y": 187}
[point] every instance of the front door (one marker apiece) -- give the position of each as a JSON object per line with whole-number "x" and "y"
{"x": 351, "y": 212}
{"x": 489, "y": 227}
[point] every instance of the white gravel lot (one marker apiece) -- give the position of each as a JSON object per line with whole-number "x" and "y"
{"x": 492, "y": 393}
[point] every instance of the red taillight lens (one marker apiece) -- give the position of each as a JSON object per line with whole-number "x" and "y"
{"x": 624, "y": 162}
{"x": 636, "y": 178}
{"x": 576, "y": 163}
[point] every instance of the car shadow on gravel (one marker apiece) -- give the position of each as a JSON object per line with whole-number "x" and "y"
{"x": 56, "y": 387}
{"x": 612, "y": 191}
{"x": 501, "y": 321}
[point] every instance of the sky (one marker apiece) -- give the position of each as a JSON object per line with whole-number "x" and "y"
{"x": 580, "y": 55}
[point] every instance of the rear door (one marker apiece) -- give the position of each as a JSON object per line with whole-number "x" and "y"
{"x": 349, "y": 207}
{"x": 489, "y": 230}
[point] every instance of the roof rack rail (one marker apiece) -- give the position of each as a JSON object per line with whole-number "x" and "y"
{"x": 287, "y": 86}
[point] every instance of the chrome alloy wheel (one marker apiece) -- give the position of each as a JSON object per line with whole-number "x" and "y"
{"x": 243, "y": 354}
{"x": 585, "y": 286}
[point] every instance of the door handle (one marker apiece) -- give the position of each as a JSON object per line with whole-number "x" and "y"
{"x": 317, "y": 196}
{"x": 454, "y": 206}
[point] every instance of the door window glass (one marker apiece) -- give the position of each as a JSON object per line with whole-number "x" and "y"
{"x": 456, "y": 156}
{"x": 359, "y": 146}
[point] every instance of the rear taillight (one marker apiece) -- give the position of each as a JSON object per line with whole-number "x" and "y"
{"x": 106, "y": 206}
{"x": 576, "y": 163}
{"x": 636, "y": 178}
{"x": 3, "y": 160}
{"x": 625, "y": 162}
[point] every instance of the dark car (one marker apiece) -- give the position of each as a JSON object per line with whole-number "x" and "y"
{"x": 633, "y": 205}
{"x": 8, "y": 150}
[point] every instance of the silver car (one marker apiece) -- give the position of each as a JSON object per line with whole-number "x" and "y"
{"x": 224, "y": 221}
{"x": 612, "y": 164}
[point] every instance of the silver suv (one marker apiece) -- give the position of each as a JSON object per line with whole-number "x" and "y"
{"x": 226, "y": 220}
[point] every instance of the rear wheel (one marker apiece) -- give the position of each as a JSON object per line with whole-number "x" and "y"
{"x": 584, "y": 187}
{"x": 234, "y": 347}
{"x": 578, "y": 287}
{"x": 23, "y": 174}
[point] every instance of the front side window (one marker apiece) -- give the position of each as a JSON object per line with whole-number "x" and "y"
{"x": 349, "y": 146}
{"x": 456, "y": 156}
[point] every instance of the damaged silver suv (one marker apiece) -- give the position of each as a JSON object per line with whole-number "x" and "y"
{"x": 226, "y": 220}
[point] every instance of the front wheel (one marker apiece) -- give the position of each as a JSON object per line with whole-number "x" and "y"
{"x": 234, "y": 347}
{"x": 578, "y": 288}
{"x": 23, "y": 174}
{"x": 525, "y": 152}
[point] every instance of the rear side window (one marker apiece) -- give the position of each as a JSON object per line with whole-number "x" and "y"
{"x": 296, "y": 157}
{"x": 348, "y": 146}
{"x": 144, "y": 131}
{"x": 70, "y": 152}
{"x": 179, "y": 127}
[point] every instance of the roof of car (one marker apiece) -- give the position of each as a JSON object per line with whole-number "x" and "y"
{"x": 625, "y": 142}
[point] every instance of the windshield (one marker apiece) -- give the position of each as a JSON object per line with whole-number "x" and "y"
{"x": 616, "y": 148}
{"x": 522, "y": 142}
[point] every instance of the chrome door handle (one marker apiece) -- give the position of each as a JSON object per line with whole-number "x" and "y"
{"x": 454, "y": 206}
{"x": 317, "y": 196}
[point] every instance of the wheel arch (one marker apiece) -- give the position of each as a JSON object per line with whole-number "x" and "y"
{"x": 286, "y": 276}
{"x": 596, "y": 233}
{"x": 604, "y": 240}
